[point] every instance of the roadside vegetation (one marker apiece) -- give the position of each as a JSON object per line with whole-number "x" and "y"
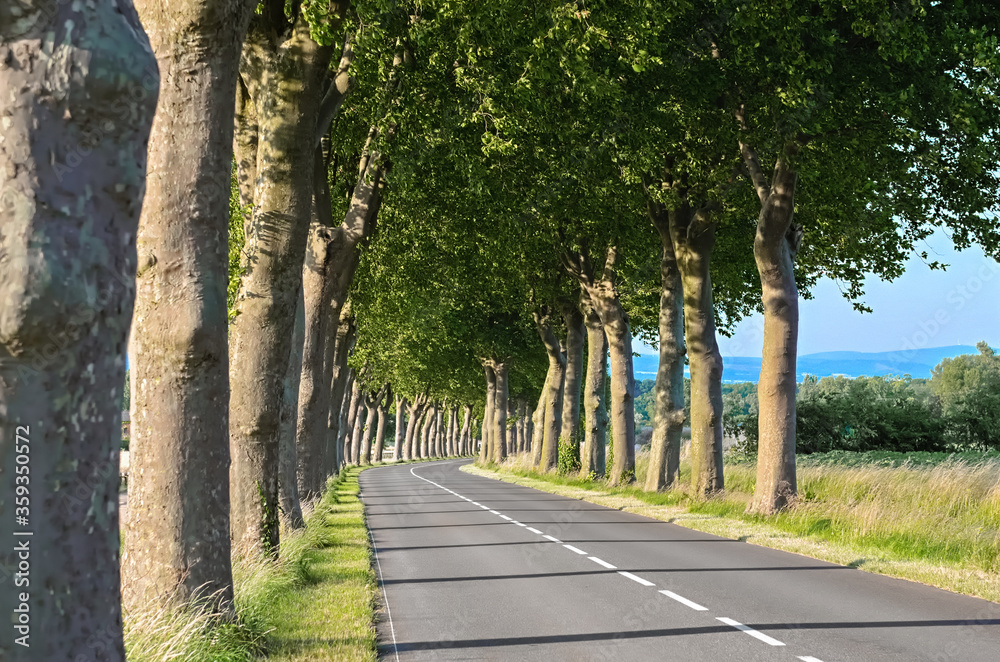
{"x": 928, "y": 517}
{"x": 317, "y": 602}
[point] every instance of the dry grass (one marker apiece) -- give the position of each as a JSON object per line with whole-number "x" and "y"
{"x": 937, "y": 524}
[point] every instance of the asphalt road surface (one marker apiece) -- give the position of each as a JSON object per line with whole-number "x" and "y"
{"x": 477, "y": 569}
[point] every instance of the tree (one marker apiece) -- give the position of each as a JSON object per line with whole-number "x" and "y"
{"x": 969, "y": 389}
{"x": 284, "y": 74}
{"x": 72, "y": 178}
{"x": 179, "y": 463}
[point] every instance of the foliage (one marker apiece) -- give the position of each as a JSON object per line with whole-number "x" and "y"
{"x": 969, "y": 389}
{"x": 957, "y": 409}
{"x": 237, "y": 238}
{"x": 569, "y": 455}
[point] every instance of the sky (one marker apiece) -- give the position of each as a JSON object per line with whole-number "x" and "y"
{"x": 922, "y": 308}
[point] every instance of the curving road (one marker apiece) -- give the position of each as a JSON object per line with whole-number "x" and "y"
{"x": 477, "y": 569}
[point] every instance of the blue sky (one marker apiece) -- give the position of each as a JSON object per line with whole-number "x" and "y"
{"x": 922, "y": 308}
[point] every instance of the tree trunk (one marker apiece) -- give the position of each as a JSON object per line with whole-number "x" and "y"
{"x": 371, "y": 420}
{"x": 399, "y": 437}
{"x": 350, "y": 423}
{"x": 314, "y": 383}
{"x": 538, "y": 423}
{"x": 554, "y": 381}
{"x": 339, "y": 375}
{"x": 570, "y": 427}
{"x": 487, "y": 452}
{"x": 179, "y": 447}
{"x": 345, "y": 413}
{"x": 501, "y": 372}
{"x": 331, "y": 262}
{"x": 595, "y": 408}
{"x": 358, "y": 433}
{"x": 284, "y": 82}
{"x": 79, "y": 85}
{"x": 425, "y": 434}
{"x": 604, "y": 297}
{"x": 416, "y": 410}
{"x": 466, "y": 445}
{"x": 288, "y": 487}
{"x": 380, "y": 431}
{"x": 668, "y": 413}
{"x": 693, "y": 237}
{"x": 775, "y": 246}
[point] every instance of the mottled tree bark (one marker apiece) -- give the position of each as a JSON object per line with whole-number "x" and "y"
{"x": 603, "y": 295}
{"x": 313, "y": 396}
{"x": 288, "y": 488}
{"x": 554, "y": 381}
{"x": 775, "y": 246}
{"x": 439, "y": 432}
{"x": 538, "y": 423}
{"x": 176, "y": 544}
{"x": 79, "y": 85}
{"x": 570, "y": 427}
{"x": 339, "y": 376}
{"x": 595, "y": 437}
{"x": 329, "y": 270}
{"x": 501, "y": 372}
{"x": 668, "y": 413}
{"x": 693, "y": 235}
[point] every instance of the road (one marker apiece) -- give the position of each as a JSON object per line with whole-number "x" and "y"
{"x": 477, "y": 569}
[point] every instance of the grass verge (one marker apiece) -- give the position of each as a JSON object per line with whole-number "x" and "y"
{"x": 317, "y": 602}
{"x": 937, "y": 522}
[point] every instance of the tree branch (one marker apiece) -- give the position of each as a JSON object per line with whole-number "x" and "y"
{"x": 340, "y": 87}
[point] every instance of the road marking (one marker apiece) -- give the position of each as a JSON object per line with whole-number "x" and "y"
{"x": 750, "y": 631}
{"x": 534, "y": 530}
{"x": 809, "y": 658}
{"x": 636, "y": 578}
{"x": 600, "y": 562}
{"x": 556, "y": 540}
{"x": 575, "y": 549}
{"x": 514, "y": 521}
{"x": 494, "y": 512}
{"x": 484, "y": 507}
{"x": 684, "y": 601}
{"x": 385, "y": 596}
{"x": 506, "y": 518}
{"x": 474, "y": 503}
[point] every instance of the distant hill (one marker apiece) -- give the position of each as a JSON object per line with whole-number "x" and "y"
{"x": 916, "y": 363}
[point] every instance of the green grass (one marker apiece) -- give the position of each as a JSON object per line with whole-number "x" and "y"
{"x": 330, "y": 615}
{"x": 931, "y": 517}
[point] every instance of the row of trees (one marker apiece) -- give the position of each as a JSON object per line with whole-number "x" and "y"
{"x": 430, "y": 197}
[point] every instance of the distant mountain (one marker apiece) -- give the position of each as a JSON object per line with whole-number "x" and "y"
{"x": 916, "y": 363}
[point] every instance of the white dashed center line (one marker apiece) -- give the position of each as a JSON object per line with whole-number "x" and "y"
{"x": 602, "y": 562}
{"x": 628, "y": 575}
{"x": 750, "y": 631}
{"x": 635, "y": 578}
{"x": 684, "y": 601}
